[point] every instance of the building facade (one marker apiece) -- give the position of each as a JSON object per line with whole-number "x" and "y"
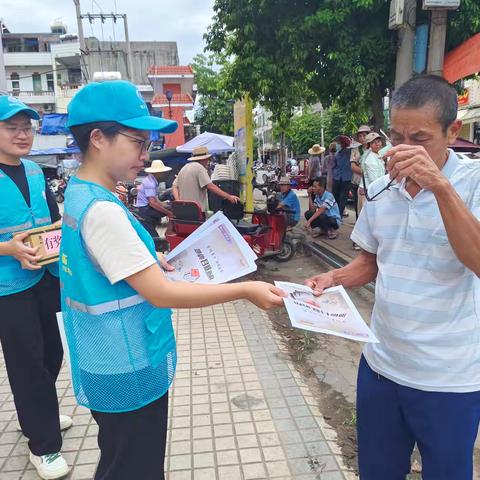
{"x": 174, "y": 95}
{"x": 34, "y": 68}
{"x": 469, "y": 111}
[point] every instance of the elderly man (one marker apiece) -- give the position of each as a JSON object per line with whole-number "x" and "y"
{"x": 193, "y": 181}
{"x": 314, "y": 162}
{"x": 289, "y": 201}
{"x": 148, "y": 204}
{"x": 420, "y": 236}
{"x": 324, "y": 213}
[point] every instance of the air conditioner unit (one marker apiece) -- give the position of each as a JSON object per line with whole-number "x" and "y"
{"x": 395, "y": 19}
{"x": 447, "y": 4}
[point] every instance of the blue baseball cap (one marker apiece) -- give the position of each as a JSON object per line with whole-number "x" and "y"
{"x": 10, "y": 106}
{"x": 115, "y": 101}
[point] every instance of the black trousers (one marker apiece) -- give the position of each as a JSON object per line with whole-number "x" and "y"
{"x": 354, "y": 188}
{"x": 340, "y": 192}
{"x": 132, "y": 444}
{"x": 151, "y": 218}
{"x": 323, "y": 221}
{"x": 33, "y": 354}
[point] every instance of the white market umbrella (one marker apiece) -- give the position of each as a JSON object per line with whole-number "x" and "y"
{"x": 215, "y": 143}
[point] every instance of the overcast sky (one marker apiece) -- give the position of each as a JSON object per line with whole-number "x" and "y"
{"x": 183, "y": 21}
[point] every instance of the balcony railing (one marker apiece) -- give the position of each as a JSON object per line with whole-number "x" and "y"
{"x": 32, "y": 93}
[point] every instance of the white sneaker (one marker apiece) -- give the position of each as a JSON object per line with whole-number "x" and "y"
{"x": 50, "y": 467}
{"x": 65, "y": 423}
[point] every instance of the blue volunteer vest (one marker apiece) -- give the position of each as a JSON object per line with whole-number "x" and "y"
{"x": 17, "y": 216}
{"x": 122, "y": 349}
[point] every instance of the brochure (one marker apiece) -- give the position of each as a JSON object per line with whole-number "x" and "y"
{"x": 332, "y": 312}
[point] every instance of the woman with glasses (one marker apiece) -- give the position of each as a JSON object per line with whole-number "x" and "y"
{"x": 116, "y": 299}
{"x": 29, "y": 293}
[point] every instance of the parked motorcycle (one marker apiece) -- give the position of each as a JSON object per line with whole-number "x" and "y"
{"x": 58, "y": 186}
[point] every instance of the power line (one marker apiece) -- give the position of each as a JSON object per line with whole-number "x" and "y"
{"x": 42, "y": 73}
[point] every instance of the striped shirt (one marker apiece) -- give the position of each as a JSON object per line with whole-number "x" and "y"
{"x": 427, "y": 303}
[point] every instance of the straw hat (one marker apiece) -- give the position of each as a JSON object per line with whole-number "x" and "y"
{"x": 157, "y": 166}
{"x": 372, "y": 136}
{"x": 316, "y": 150}
{"x": 199, "y": 153}
{"x": 284, "y": 181}
{"x": 364, "y": 129}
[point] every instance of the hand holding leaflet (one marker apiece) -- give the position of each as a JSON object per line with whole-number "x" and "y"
{"x": 215, "y": 253}
{"x": 332, "y": 312}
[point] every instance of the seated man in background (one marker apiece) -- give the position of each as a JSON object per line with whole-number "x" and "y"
{"x": 325, "y": 214}
{"x": 148, "y": 204}
{"x": 193, "y": 181}
{"x": 289, "y": 201}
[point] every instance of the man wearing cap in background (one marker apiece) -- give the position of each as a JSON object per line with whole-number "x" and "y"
{"x": 314, "y": 162}
{"x": 29, "y": 293}
{"x": 289, "y": 201}
{"x": 148, "y": 204}
{"x": 193, "y": 181}
{"x": 373, "y": 166}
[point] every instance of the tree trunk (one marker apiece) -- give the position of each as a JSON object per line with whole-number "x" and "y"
{"x": 282, "y": 159}
{"x": 377, "y": 109}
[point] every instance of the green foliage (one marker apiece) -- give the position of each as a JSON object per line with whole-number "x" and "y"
{"x": 288, "y": 52}
{"x": 304, "y": 131}
{"x": 215, "y": 108}
{"x": 337, "y": 120}
{"x": 463, "y": 23}
{"x": 260, "y": 38}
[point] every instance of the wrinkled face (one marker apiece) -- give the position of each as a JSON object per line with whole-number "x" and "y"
{"x": 16, "y": 136}
{"x": 422, "y": 127}
{"x": 376, "y": 145}
{"x": 318, "y": 189}
{"x": 284, "y": 188}
{"x": 123, "y": 156}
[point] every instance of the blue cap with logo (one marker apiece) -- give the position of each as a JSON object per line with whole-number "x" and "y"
{"x": 114, "y": 101}
{"x": 10, "y": 106}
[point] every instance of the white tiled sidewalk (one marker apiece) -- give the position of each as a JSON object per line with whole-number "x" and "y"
{"x": 238, "y": 409}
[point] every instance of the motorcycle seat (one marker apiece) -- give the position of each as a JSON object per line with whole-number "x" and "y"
{"x": 245, "y": 228}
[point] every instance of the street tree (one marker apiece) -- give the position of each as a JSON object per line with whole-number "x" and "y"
{"x": 214, "y": 110}
{"x": 338, "y": 51}
{"x": 256, "y": 36}
{"x": 303, "y": 131}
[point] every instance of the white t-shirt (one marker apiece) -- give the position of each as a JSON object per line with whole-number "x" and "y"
{"x": 113, "y": 243}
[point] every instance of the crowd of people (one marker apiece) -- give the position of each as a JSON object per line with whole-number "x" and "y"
{"x": 419, "y": 235}
{"x": 342, "y": 174}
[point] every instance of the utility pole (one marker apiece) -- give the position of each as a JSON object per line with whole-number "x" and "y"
{"x": 3, "y": 78}
{"x": 406, "y": 38}
{"x": 83, "y": 48}
{"x": 131, "y": 72}
{"x": 102, "y": 17}
{"x": 436, "y": 49}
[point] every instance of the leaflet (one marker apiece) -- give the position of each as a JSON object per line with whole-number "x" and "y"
{"x": 215, "y": 253}
{"x": 332, "y": 312}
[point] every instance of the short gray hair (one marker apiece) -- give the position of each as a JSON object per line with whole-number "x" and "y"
{"x": 428, "y": 90}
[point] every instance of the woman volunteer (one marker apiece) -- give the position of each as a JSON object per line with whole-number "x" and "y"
{"x": 115, "y": 298}
{"x": 29, "y": 293}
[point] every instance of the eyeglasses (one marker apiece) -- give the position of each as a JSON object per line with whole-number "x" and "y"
{"x": 384, "y": 189}
{"x": 145, "y": 145}
{"x": 16, "y": 131}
